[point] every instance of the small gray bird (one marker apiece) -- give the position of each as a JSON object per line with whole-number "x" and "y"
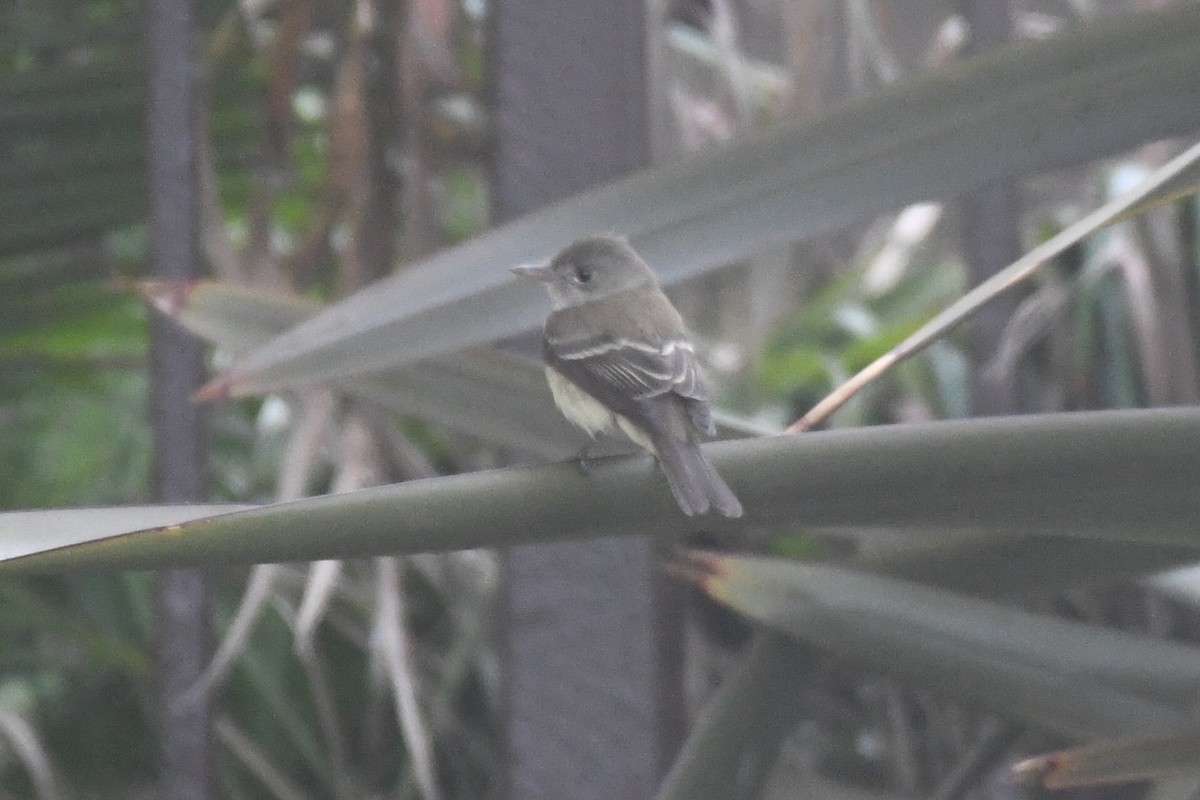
{"x": 617, "y": 355}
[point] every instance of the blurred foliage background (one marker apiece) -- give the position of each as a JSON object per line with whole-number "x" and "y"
{"x": 342, "y": 135}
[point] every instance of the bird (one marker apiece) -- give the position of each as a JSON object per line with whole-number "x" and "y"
{"x": 617, "y": 355}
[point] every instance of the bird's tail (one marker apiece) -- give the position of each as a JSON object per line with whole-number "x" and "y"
{"x": 694, "y": 480}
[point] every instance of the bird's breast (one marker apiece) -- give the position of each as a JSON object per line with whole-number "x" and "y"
{"x": 577, "y": 405}
{"x": 589, "y": 413}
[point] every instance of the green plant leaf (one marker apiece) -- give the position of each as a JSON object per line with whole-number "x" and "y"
{"x": 21, "y": 530}
{"x": 1063, "y": 677}
{"x": 1118, "y": 761}
{"x": 990, "y": 565}
{"x": 1035, "y": 105}
{"x": 1124, "y": 475}
{"x": 497, "y": 396}
{"x": 742, "y": 725}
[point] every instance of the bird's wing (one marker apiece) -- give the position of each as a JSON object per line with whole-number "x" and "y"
{"x": 627, "y": 375}
{"x": 636, "y": 354}
{"x": 637, "y": 369}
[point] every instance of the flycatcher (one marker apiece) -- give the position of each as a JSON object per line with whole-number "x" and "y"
{"x": 617, "y": 355}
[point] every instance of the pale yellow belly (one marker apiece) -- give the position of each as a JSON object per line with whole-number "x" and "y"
{"x": 588, "y": 413}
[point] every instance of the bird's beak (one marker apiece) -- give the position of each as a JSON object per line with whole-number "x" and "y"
{"x": 541, "y": 272}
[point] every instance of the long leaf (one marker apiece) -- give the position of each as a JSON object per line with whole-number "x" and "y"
{"x": 32, "y": 531}
{"x": 990, "y": 565}
{"x": 502, "y": 398}
{"x": 1033, "y": 106}
{"x": 734, "y": 741}
{"x": 1126, "y": 475}
{"x": 497, "y": 396}
{"x": 1064, "y": 677}
{"x": 1118, "y": 761}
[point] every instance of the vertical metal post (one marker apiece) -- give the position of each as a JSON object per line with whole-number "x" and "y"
{"x": 991, "y": 234}
{"x": 176, "y": 365}
{"x": 592, "y": 633}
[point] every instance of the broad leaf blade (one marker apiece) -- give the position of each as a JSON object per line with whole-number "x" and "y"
{"x": 743, "y": 724}
{"x": 1118, "y": 761}
{"x": 502, "y": 398}
{"x": 497, "y": 396}
{"x": 1033, "y": 106}
{"x": 1126, "y": 475}
{"x": 990, "y": 565}
{"x": 1064, "y": 677}
{"x": 23, "y": 532}
{"x": 236, "y": 319}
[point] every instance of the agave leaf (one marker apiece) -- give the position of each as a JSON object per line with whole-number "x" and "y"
{"x": 1117, "y": 761}
{"x": 1032, "y": 106}
{"x": 24, "y": 532}
{"x": 495, "y": 395}
{"x": 1124, "y": 475}
{"x": 234, "y": 318}
{"x": 988, "y": 565}
{"x": 1063, "y": 677}
{"x": 502, "y": 398}
{"x": 753, "y": 710}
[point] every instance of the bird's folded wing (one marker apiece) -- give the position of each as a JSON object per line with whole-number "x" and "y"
{"x": 635, "y": 369}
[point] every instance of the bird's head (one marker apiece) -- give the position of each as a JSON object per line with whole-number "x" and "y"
{"x": 590, "y": 269}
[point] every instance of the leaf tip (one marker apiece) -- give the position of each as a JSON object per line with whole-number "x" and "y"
{"x": 169, "y": 298}
{"x": 1049, "y": 770}
{"x": 218, "y": 389}
{"x": 697, "y": 567}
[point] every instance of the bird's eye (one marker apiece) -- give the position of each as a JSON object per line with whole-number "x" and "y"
{"x": 582, "y": 274}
